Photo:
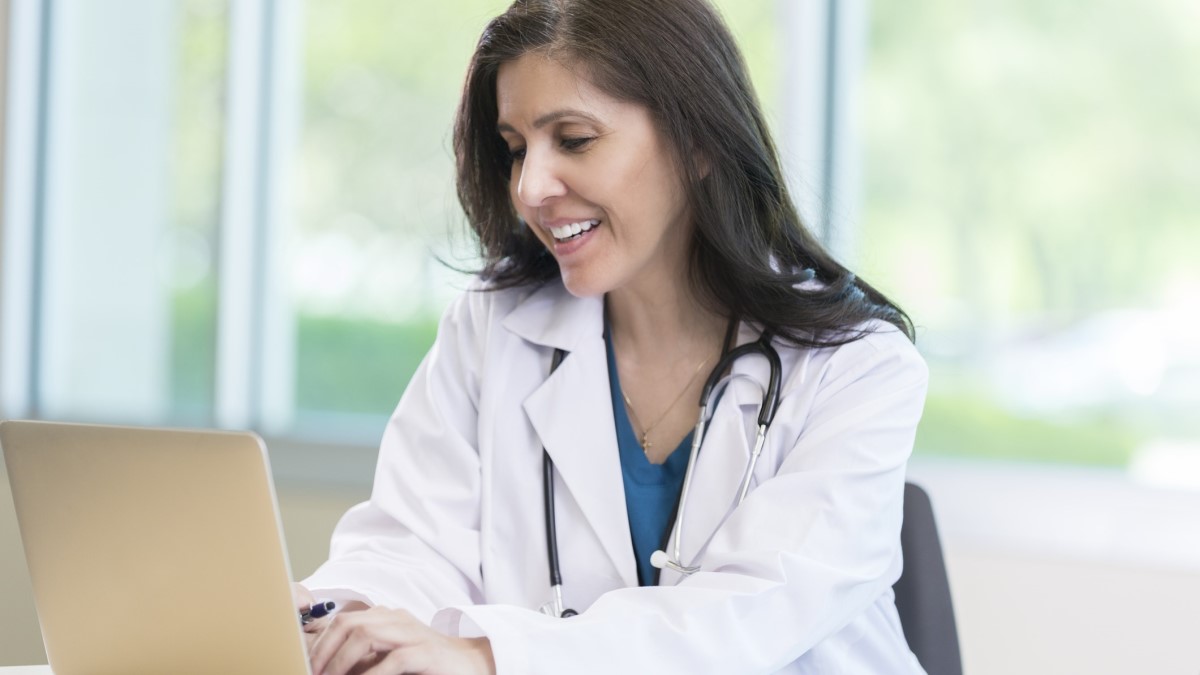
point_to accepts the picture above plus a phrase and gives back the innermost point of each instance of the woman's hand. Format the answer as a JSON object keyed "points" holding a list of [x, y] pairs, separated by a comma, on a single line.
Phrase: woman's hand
{"points": [[302, 598], [382, 641]]}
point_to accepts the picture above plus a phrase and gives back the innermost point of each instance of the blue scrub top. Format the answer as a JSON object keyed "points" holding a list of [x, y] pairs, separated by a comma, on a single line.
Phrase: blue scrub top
{"points": [[651, 490]]}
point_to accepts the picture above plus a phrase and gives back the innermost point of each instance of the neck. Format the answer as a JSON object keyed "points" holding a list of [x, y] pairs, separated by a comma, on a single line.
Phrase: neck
{"points": [[663, 320], [663, 340]]}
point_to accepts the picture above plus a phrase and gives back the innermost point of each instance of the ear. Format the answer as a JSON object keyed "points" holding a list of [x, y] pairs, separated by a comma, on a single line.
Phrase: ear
{"points": [[693, 161], [702, 163]]}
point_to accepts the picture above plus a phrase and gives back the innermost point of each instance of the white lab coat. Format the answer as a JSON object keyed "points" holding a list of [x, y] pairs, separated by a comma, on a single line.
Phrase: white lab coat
{"points": [[797, 580]]}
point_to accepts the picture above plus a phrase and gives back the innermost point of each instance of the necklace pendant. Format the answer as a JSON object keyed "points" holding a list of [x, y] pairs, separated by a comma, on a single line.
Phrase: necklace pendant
{"points": [[646, 444]]}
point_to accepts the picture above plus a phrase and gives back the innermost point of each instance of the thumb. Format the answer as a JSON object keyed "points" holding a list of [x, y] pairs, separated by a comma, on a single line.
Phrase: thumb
{"points": [[302, 597]]}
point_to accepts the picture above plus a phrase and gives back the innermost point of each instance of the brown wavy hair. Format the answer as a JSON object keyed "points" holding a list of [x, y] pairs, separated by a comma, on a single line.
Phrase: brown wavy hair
{"points": [[750, 251]]}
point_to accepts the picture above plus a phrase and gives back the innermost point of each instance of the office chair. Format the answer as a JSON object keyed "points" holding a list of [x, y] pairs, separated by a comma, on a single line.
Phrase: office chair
{"points": [[923, 590]]}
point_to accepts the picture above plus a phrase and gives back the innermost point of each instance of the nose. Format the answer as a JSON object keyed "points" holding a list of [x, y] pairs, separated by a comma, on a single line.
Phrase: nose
{"points": [[539, 180]]}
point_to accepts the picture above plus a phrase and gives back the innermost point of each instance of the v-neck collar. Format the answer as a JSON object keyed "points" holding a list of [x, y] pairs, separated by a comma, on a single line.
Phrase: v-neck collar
{"points": [[634, 461]]}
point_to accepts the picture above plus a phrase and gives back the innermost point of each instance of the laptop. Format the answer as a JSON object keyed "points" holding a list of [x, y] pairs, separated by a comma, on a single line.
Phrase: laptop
{"points": [[153, 551]]}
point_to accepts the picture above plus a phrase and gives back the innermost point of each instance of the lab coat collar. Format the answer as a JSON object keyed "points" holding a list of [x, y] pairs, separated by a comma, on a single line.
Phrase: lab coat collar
{"points": [[571, 412], [552, 317]]}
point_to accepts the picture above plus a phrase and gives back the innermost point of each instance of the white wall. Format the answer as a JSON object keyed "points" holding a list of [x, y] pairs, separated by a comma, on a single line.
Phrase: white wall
{"points": [[1068, 569], [1034, 615]]}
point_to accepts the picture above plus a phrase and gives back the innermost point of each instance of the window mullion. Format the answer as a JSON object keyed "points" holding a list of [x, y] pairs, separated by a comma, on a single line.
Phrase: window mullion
{"points": [[238, 301], [255, 338], [820, 148], [23, 118], [280, 130]]}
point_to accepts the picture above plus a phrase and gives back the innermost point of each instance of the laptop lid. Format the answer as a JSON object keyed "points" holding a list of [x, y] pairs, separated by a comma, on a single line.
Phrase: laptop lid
{"points": [[153, 550]]}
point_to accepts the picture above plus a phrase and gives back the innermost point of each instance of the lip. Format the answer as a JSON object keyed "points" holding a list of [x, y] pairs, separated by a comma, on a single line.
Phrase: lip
{"points": [[564, 249], [559, 222]]}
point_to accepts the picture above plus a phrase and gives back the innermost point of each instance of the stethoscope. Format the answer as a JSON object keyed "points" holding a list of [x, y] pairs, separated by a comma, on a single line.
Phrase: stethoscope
{"points": [[715, 382]]}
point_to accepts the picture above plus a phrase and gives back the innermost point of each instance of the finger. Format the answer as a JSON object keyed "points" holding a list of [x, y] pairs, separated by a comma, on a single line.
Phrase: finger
{"points": [[349, 639], [330, 642], [358, 648], [310, 640], [319, 625], [302, 597], [402, 660], [363, 666]]}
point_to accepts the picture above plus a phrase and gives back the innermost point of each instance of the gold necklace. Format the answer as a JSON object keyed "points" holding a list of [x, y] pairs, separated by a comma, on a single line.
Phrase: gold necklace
{"points": [[645, 441]]}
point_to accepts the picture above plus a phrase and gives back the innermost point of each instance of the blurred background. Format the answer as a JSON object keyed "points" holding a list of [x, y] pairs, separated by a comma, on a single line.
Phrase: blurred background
{"points": [[242, 215]]}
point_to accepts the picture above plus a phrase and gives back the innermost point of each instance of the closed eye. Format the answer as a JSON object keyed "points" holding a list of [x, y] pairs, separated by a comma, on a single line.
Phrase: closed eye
{"points": [[574, 144], [577, 143]]}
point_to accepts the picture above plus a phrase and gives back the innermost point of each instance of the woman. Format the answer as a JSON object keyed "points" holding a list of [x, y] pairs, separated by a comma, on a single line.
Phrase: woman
{"points": [[630, 206]]}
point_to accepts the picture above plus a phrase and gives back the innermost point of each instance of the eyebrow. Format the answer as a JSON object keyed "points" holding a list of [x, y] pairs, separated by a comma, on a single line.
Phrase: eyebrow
{"points": [[552, 117]]}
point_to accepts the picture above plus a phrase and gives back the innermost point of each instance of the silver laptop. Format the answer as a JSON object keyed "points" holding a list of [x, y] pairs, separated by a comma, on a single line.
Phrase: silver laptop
{"points": [[153, 550]]}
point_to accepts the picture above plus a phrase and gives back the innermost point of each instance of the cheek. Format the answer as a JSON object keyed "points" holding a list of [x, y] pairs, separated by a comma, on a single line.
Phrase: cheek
{"points": [[653, 191], [664, 180]]}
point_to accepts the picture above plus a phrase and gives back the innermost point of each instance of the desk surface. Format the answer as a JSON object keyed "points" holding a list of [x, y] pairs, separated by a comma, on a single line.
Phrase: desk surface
{"points": [[25, 670]]}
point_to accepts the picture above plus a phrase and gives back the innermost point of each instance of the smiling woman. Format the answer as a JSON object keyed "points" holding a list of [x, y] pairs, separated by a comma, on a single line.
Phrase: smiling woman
{"points": [[592, 180], [368, 211], [635, 228]]}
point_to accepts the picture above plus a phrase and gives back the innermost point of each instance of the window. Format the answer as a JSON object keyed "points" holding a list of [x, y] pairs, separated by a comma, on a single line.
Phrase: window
{"points": [[1031, 197], [375, 213], [112, 192], [237, 214]]}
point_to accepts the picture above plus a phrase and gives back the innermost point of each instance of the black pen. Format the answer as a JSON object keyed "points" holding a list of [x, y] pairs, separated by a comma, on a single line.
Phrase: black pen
{"points": [[316, 611]]}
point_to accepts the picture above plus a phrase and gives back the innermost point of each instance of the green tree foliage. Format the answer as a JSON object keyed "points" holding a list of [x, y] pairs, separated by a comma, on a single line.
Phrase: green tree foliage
{"points": [[1032, 157], [1030, 164]]}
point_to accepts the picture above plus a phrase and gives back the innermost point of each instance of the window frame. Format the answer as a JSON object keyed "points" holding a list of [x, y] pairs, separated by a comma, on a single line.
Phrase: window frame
{"points": [[255, 337]]}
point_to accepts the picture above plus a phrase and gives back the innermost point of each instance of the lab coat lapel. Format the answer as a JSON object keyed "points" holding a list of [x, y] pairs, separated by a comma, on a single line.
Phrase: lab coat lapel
{"points": [[571, 412]]}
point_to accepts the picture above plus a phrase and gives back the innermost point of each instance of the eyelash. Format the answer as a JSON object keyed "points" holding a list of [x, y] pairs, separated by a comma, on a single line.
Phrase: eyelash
{"points": [[577, 143], [569, 144]]}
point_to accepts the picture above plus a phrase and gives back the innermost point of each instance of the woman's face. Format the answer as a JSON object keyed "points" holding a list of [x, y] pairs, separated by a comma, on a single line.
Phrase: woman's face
{"points": [[592, 178]]}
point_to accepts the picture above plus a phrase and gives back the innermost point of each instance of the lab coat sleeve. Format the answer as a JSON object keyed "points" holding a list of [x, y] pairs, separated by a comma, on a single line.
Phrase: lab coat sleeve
{"points": [[415, 543], [810, 548]]}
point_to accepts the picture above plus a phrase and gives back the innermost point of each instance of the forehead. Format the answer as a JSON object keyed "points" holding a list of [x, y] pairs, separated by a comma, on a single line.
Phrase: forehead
{"points": [[535, 85]]}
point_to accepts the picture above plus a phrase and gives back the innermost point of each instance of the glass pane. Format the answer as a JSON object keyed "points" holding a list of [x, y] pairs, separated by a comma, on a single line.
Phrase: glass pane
{"points": [[130, 207], [376, 199], [1032, 198], [196, 174]]}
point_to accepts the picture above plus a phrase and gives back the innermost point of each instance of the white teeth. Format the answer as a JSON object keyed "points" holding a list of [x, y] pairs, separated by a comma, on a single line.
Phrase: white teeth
{"points": [[568, 231]]}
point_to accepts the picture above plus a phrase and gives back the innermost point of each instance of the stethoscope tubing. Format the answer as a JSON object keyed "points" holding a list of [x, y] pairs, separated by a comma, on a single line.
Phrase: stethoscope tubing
{"points": [[551, 523], [766, 415]]}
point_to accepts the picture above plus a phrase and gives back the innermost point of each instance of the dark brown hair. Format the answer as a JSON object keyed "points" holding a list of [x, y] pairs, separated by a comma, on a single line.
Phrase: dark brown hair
{"points": [[677, 58]]}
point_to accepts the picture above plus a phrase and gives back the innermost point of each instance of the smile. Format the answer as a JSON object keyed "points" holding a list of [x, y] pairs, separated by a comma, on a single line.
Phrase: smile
{"points": [[573, 230]]}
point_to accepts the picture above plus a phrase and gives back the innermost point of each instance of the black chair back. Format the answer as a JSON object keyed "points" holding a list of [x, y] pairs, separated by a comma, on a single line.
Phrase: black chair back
{"points": [[923, 590]]}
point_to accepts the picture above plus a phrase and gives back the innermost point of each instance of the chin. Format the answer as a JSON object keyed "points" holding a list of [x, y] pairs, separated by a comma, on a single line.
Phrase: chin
{"points": [[583, 285]]}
